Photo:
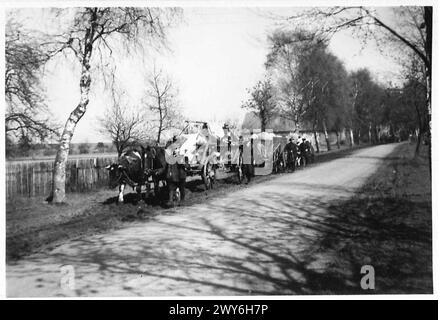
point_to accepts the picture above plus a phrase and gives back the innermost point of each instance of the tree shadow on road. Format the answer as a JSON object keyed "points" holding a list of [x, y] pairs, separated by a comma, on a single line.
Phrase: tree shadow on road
{"points": [[306, 249], [265, 244]]}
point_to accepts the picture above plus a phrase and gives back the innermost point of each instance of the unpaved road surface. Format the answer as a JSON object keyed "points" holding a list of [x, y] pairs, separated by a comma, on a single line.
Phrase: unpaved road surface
{"points": [[259, 240]]}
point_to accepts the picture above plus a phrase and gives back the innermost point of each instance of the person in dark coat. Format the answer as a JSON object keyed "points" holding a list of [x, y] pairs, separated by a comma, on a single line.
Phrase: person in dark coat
{"points": [[176, 178], [291, 150], [307, 151]]}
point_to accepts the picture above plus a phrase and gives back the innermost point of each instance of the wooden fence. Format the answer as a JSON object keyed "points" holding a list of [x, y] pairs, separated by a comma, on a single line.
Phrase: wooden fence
{"points": [[35, 178]]}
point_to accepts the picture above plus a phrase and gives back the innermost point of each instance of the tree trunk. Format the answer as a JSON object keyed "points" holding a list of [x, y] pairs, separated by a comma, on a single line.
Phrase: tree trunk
{"points": [[160, 127], [327, 141], [378, 134], [369, 134], [338, 138], [419, 131], [428, 18], [263, 125], [315, 134], [159, 134], [429, 125], [119, 152], [419, 139], [351, 138], [58, 187], [119, 148]]}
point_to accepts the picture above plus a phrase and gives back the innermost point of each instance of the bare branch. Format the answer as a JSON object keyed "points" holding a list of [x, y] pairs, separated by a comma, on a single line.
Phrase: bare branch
{"points": [[160, 97], [24, 94]]}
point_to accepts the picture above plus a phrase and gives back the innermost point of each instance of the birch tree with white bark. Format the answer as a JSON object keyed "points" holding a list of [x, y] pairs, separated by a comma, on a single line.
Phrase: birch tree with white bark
{"points": [[91, 37]]}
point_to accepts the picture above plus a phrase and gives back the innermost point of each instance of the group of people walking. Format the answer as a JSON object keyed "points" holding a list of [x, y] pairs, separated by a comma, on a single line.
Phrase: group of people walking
{"points": [[297, 154]]}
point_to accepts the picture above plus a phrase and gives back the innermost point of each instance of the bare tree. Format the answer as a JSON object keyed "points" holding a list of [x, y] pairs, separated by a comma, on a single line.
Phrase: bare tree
{"points": [[161, 99], [26, 112], [262, 102], [93, 33], [124, 125]]}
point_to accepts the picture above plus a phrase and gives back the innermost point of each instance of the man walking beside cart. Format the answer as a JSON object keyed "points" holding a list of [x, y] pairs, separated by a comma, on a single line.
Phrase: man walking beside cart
{"points": [[290, 150]]}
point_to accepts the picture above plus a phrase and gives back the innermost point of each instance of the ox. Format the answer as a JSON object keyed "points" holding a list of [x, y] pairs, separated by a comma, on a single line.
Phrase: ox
{"points": [[129, 170], [174, 174]]}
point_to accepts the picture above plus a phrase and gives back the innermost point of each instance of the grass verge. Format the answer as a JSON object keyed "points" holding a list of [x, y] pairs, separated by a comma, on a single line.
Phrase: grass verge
{"points": [[388, 225]]}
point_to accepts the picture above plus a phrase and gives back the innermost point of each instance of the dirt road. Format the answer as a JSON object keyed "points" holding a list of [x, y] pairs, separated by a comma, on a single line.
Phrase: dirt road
{"points": [[258, 240]]}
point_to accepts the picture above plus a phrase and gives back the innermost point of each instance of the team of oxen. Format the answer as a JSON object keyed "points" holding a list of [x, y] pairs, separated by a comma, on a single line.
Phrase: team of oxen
{"points": [[163, 170], [138, 166]]}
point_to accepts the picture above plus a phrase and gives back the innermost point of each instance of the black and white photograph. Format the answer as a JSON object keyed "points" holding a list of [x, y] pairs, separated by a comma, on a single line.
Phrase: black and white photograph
{"points": [[217, 149]]}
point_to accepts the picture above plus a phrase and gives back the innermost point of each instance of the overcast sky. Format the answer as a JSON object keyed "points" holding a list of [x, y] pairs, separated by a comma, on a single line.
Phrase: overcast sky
{"points": [[216, 53]]}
